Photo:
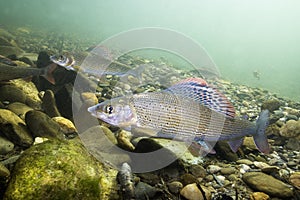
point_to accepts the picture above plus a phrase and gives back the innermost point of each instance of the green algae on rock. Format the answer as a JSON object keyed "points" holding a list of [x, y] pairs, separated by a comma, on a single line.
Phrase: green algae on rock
{"points": [[61, 170]]}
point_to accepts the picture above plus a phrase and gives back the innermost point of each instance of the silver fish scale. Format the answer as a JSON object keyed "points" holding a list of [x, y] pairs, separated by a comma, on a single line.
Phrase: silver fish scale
{"points": [[182, 117]]}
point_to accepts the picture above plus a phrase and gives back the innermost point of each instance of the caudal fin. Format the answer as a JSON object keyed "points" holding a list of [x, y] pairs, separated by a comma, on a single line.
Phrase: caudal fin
{"points": [[48, 73], [260, 138]]}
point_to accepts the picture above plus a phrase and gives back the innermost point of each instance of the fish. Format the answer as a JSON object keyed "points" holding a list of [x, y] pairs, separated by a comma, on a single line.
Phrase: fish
{"points": [[191, 111], [256, 74], [9, 72], [96, 65]]}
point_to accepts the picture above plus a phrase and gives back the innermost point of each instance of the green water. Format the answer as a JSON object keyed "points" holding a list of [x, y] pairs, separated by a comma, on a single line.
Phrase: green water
{"points": [[240, 36]]}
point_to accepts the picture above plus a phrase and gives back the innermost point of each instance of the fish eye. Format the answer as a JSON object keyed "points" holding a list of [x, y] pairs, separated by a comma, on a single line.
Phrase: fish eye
{"points": [[109, 109]]}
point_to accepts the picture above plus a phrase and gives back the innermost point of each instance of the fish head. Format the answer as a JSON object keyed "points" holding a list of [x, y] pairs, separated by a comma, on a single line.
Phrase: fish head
{"points": [[64, 60], [117, 112]]}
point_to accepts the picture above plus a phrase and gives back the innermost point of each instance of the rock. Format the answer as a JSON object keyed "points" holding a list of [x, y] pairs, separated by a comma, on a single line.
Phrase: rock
{"points": [[259, 196], [290, 129], [228, 170], [66, 126], [197, 171], [143, 191], [4, 42], [49, 104], [224, 151], [295, 180], [4, 172], [89, 98], [101, 142], [6, 146], [10, 50], [293, 144], [51, 168], [249, 143], [41, 125], [267, 184], [123, 139], [149, 178], [12, 94], [191, 192], [188, 179], [19, 109], [29, 89], [244, 161], [4, 33], [213, 169], [172, 151], [14, 128], [175, 187], [271, 105]]}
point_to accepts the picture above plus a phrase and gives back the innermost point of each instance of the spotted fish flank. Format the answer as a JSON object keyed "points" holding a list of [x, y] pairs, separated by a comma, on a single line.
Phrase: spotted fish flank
{"points": [[190, 111]]}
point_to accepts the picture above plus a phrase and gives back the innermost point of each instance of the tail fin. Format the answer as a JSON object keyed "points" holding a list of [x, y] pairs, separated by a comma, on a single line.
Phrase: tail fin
{"points": [[48, 72], [260, 138]]}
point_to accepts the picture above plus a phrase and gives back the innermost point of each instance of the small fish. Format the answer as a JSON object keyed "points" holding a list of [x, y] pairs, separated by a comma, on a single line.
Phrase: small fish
{"points": [[14, 72], [189, 110], [95, 65], [66, 61], [256, 74]]}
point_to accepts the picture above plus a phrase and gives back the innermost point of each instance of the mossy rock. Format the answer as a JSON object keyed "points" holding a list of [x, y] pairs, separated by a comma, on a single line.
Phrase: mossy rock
{"points": [[61, 170]]}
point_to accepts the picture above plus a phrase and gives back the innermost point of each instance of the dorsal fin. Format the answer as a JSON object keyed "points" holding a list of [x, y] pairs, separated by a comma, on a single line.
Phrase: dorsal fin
{"points": [[198, 90]]}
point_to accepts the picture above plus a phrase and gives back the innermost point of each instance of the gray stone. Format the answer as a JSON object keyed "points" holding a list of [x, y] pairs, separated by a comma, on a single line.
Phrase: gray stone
{"points": [[14, 128], [228, 170], [144, 191], [6, 146], [19, 109], [267, 184], [41, 125], [175, 187], [12, 94]]}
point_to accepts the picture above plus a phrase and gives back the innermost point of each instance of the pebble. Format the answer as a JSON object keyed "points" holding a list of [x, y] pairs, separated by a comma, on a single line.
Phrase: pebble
{"points": [[260, 165], [244, 168], [144, 191], [213, 169], [267, 184], [259, 196], [295, 180], [66, 126], [244, 161], [6, 146], [175, 187], [228, 170], [197, 171], [191, 192], [188, 179], [124, 140]]}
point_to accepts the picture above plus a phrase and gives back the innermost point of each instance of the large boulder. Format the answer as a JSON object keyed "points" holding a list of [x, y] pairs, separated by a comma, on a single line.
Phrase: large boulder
{"points": [[61, 170]]}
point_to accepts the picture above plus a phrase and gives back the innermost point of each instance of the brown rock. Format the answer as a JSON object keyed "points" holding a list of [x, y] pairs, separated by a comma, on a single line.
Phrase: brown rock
{"points": [[191, 192], [268, 184], [259, 196], [295, 180], [290, 129]]}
